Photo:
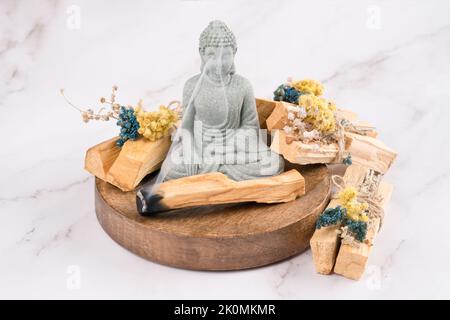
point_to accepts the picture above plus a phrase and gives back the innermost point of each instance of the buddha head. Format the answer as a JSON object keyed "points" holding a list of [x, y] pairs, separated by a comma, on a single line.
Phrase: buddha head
{"points": [[217, 49]]}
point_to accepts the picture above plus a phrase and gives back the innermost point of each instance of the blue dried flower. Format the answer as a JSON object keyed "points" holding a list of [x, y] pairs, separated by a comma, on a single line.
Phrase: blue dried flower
{"points": [[330, 217], [286, 93], [347, 160], [357, 228], [278, 94], [291, 95], [129, 125]]}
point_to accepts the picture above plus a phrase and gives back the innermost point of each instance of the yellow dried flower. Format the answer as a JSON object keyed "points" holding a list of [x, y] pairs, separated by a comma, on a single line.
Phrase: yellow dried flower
{"points": [[319, 113], [355, 210], [308, 86], [347, 195], [154, 125]]}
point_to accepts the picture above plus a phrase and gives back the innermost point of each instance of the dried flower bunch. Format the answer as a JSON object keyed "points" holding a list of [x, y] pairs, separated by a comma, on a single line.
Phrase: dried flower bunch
{"points": [[101, 114], [293, 89], [356, 210], [155, 125], [311, 117], [351, 214], [133, 121]]}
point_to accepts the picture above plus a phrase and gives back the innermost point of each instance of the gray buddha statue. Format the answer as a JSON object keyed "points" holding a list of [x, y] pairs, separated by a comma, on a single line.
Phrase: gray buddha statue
{"points": [[220, 129]]}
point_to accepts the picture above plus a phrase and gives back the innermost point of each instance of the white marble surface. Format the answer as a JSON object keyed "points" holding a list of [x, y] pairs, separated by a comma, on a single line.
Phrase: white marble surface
{"points": [[387, 60]]}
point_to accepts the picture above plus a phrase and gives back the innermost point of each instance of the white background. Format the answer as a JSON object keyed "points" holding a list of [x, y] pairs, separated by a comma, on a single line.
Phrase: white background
{"points": [[387, 60]]}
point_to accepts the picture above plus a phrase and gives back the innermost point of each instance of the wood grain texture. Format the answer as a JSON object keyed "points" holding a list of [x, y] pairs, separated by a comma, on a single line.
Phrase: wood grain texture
{"points": [[302, 153], [223, 237], [264, 108], [278, 118], [351, 261], [325, 242], [216, 188], [137, 159], [101, 157], [370, 152], [125, 167], [365, 150]]}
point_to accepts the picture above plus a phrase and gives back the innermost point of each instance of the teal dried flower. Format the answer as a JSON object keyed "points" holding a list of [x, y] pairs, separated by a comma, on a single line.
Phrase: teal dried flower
{"points": [[357, 228], [291, 95], [128, 124], [347, 160], [286, 93], [278, 94], [330, 217]]}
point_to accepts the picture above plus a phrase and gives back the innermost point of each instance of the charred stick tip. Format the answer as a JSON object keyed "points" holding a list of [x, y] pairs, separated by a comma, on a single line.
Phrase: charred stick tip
{"points": [[148, 203]]}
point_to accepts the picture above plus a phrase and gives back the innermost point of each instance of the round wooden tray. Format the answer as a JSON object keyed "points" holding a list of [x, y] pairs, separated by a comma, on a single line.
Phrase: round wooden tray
{"points": [[222, 237]]}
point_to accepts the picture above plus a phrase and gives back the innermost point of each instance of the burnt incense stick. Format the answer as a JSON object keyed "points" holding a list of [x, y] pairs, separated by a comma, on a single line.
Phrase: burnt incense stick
{"points": [[216, 188]]}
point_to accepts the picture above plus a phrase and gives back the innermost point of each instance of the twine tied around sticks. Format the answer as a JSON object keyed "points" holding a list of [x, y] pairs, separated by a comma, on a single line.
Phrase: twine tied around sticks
{"points": [[346, 125], [358, 129], [342, 125]]}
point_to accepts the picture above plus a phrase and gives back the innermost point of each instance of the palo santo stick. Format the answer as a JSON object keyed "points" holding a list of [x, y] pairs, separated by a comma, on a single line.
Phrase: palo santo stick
{"points": [[125, 167], [278, 117], [304, 153], [217, 188], [101, 157], [325, 241], [370, 152], [364, 150], [137, 159], [352, 261], [264, 108], [353, 118]]}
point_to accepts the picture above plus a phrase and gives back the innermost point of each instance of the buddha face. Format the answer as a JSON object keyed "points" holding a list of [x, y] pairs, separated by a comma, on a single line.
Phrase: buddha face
{"points": [[218, 61]]}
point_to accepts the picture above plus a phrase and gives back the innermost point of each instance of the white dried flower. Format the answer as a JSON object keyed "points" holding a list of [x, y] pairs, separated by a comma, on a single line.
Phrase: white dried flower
{"points": [[287, 129], [302, 112], [291, 116], [310, 135], [298, 123]]}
